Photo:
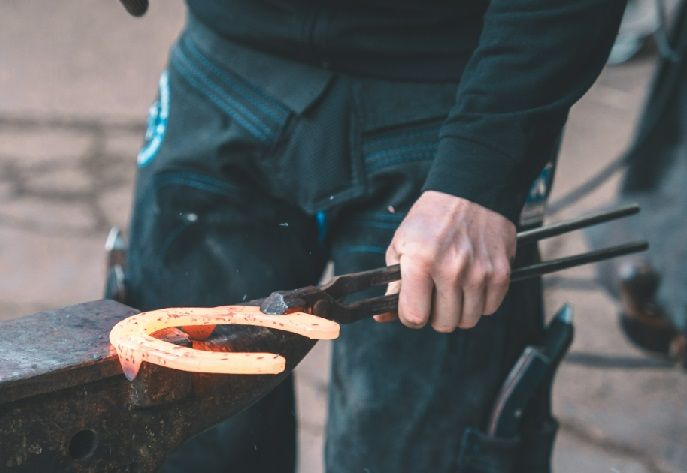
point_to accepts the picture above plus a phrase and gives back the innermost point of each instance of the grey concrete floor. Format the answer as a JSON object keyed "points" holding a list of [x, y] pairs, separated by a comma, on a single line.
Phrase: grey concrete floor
{"points": [[76, 79]]}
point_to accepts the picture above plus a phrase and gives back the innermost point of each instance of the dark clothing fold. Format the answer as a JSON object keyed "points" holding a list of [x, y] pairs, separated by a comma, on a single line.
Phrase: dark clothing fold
{"points": [[521, 66]]}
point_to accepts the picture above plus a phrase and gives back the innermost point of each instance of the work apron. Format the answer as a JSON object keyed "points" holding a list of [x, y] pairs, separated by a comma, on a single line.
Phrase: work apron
{"points": [[254, 173]]}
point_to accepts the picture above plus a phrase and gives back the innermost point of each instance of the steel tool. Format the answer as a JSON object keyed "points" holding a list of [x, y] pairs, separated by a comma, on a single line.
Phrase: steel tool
{"points": [[535, 368], [328, 301], [500, 446]]}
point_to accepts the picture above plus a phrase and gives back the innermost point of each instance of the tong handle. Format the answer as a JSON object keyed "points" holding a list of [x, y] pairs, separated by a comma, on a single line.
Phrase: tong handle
{"points": [[558, 264], [363, 309], [565, 226], [347, 284], [351, 283], [389, 303]]}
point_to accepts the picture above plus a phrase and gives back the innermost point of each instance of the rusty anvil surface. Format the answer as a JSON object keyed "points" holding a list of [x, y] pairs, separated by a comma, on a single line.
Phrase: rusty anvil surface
{"points": [[65, 405]]}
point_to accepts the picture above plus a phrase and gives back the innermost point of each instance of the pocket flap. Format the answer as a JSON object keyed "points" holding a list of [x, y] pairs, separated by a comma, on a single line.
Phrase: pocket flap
{"points": [[294, 84]]}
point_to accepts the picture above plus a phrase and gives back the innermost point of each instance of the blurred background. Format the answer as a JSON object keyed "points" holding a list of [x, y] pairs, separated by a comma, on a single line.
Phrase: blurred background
{"points": [[76, 80]]}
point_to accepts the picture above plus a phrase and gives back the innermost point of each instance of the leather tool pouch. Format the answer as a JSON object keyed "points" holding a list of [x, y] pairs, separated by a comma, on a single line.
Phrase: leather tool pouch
{"points": [[536, 448]]}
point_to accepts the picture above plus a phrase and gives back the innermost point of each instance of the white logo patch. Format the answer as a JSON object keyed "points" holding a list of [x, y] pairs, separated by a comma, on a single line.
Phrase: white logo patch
{"points": [[157, 124]]}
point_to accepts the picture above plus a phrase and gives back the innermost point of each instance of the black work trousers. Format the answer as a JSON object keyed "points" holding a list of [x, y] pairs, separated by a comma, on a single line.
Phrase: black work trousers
{"points": [[241, 192]]}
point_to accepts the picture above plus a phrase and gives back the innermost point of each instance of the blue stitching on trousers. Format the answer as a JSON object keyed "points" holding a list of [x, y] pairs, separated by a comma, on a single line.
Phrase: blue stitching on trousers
{"points": [[239, 112], [222, 99], [196, 182], [248, 92]]}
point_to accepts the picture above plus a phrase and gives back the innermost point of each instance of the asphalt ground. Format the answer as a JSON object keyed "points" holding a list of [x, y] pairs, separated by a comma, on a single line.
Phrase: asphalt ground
{"points": [[76, 79]]}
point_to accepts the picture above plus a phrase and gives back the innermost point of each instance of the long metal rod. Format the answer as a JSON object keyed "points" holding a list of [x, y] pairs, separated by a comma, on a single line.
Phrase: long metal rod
{"points": [[565, 226], [349, 283], [551, 266], [389, 303]]}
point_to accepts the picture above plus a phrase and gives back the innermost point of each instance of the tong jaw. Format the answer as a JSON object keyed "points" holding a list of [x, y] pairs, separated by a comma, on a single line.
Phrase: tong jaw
{"points": [[315, 301], [326, 301], [298, 300]]}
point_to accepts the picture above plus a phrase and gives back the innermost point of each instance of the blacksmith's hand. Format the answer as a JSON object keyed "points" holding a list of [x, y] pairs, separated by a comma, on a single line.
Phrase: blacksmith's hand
{"points": [[455, 262]]}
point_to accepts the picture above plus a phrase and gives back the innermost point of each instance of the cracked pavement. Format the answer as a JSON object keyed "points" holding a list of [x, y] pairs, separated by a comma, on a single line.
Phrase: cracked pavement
{"points": [[75, 91]]}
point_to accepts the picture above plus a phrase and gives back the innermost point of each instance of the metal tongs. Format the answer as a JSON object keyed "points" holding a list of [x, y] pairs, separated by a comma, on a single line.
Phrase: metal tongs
{"points": [[327, 301]]}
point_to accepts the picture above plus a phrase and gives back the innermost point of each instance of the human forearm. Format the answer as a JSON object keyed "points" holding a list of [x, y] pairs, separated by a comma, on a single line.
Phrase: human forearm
{"points": [[535, 59]]}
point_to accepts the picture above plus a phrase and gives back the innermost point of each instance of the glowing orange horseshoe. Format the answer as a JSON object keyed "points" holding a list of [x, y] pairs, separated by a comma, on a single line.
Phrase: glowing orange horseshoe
{"points": [[133, 343]]}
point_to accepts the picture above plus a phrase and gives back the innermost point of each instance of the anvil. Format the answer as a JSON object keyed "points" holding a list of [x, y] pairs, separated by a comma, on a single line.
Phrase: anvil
{"points": [[66, 406]]}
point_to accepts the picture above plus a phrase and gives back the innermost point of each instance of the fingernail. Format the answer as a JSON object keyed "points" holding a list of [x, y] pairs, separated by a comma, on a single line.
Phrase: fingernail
{"points": [[414, 323], [444, 329]]}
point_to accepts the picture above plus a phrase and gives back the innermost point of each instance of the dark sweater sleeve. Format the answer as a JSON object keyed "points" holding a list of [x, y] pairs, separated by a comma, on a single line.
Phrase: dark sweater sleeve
{"points": [[534, 60]]}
